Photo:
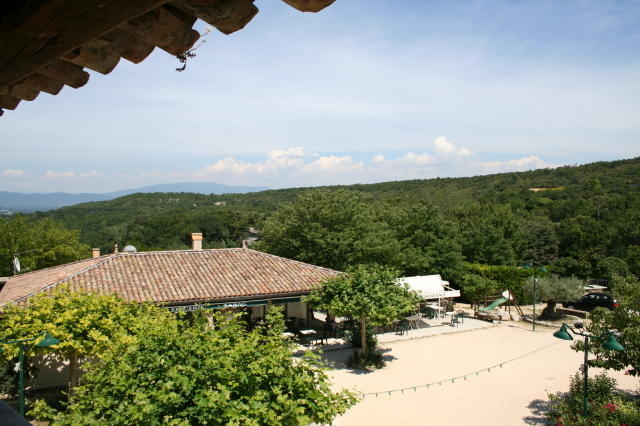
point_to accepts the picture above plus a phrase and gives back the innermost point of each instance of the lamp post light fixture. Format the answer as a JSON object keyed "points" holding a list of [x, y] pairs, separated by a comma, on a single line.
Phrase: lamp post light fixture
{"points": [[48, 340], [611, 344], [535, 282]]}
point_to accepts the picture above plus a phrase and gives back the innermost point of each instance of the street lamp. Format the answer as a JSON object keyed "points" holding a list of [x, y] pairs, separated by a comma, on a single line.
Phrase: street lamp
{"points": [[535, 282], [611, 344], [48, 340]]}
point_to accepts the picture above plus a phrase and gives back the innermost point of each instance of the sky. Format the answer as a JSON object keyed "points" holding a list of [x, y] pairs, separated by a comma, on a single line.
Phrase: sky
{"points": [[363, 91]]}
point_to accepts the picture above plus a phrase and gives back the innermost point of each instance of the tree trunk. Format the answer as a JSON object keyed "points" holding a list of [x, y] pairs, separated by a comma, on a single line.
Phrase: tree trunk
{"points": [[73, 371], [549, 312], [363, 333]]}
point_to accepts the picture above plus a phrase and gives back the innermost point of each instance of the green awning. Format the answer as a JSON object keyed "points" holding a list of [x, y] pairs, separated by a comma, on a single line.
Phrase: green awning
{"points": [[237, 304]]}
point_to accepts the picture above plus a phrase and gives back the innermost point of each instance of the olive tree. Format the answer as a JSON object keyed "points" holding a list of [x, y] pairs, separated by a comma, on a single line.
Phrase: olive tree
{"points": [[553, 289]]}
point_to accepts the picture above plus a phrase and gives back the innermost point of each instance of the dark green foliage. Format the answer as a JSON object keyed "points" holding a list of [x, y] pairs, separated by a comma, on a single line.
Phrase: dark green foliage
{"points": [[607, 406], [480, 282], [334, 229], [38, 244]]}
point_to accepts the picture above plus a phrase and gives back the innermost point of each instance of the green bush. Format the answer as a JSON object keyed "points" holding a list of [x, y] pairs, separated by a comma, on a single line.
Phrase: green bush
{"points": [[606, 405]]}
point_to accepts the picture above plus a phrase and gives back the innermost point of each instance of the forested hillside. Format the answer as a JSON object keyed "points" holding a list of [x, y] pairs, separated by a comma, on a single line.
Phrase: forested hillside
{"points": [[583, 220]]}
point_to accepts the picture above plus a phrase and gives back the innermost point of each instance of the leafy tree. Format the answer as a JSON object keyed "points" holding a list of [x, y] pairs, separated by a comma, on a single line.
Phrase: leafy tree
{"points": [[626, 320], [553, 289], [497, 278], [611, 266], [178, 373], [633, 260], [541, 242], [476, 287], [369, 293], [334, 229], [85, 323], [42, 243], [430, 242], [490, 235]]}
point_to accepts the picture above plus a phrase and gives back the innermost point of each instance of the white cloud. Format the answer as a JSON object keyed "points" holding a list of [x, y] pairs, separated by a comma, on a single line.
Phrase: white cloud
{"points": [[445, 147], [50, 174], [231, 165], [518, 164], [333, 164], [14, 174]]}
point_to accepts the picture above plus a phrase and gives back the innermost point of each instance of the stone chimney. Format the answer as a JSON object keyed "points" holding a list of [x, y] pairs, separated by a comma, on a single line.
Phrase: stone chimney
{"points": [[115, 248], [95, 252], [244, 244], [196, 237]]}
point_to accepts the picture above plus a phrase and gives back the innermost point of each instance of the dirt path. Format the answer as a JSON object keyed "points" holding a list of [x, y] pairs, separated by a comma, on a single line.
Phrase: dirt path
{"points": [[514, 394]]}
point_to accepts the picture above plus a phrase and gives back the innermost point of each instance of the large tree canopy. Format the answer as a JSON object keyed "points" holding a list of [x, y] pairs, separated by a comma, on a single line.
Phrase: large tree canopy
{"points": [[334, 229], [37, 244], [85, 323], [186, 372]]}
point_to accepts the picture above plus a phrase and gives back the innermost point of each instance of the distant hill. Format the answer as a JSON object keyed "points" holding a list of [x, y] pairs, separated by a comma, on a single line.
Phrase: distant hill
{"points": [[26, 203]]}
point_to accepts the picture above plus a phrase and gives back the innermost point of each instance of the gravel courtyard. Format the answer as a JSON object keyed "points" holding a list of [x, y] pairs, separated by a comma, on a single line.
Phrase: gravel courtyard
{"points": [[511, 395]]}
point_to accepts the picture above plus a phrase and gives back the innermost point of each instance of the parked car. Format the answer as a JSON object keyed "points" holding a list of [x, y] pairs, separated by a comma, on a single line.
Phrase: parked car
{"points": [[589, 302]]}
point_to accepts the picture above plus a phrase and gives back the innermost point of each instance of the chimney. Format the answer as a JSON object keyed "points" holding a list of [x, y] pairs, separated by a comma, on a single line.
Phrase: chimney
{"points": [[95, 252], [244, 244], [196, 237], [115, 248]]}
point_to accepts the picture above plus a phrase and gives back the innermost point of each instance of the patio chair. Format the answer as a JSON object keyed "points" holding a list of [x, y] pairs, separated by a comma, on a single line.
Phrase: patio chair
{"points": [[403, 327]]}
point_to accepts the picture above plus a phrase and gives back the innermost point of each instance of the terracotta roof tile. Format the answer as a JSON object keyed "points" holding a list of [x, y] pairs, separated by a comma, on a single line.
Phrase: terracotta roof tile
{"points": [[175, 276]]}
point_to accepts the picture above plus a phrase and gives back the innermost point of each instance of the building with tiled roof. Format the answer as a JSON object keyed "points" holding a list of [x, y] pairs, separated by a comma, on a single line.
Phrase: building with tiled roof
{"points": [[180, 279]]}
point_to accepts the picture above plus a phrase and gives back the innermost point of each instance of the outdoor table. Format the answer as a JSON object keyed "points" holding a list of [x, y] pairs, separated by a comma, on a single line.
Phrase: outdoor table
{"points": [[306, 335], [413, 321], [439, 309]]}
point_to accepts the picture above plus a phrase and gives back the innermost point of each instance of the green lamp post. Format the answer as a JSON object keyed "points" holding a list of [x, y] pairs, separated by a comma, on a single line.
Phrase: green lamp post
{"points": [[48, 340], [535, 269], [611, 344]]}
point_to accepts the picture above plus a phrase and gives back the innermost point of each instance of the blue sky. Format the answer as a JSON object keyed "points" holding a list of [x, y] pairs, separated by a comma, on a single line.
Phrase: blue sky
{"points": [[363, 91]]}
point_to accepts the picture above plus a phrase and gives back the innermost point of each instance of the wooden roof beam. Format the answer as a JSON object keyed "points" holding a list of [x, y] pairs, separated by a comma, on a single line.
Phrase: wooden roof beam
{"points": [[95, 55], [227, 16], [309, 5], [160, 27], [8, 102], [130, 47], [71, 74]]}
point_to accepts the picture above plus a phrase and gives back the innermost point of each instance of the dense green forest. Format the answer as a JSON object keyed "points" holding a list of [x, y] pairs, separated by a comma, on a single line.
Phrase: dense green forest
{"points": [[582, 220]]}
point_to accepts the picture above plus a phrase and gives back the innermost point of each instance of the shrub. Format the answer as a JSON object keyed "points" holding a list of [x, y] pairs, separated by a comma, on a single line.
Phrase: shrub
{"points": [[606, 405]]}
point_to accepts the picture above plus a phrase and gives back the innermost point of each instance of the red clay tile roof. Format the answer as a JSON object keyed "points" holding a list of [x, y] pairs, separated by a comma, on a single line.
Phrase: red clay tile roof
{"points": [[175, 277]]}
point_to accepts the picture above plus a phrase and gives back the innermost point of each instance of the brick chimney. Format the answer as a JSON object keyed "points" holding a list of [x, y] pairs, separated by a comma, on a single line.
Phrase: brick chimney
{"points": [[196, 237], [95, 252]]}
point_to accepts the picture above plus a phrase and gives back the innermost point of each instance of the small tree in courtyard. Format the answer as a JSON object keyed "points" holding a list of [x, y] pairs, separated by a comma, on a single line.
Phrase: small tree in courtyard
{"points": [[368, 293], [553, 289]]}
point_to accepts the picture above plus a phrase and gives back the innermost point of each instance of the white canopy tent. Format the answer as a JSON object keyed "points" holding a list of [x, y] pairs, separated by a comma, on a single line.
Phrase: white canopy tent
{"points": [[430, 286]]}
